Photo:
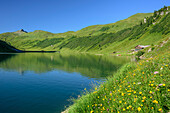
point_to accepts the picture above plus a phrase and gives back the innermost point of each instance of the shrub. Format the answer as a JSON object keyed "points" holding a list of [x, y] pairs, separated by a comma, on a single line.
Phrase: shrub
{"points": [[140, 53]]}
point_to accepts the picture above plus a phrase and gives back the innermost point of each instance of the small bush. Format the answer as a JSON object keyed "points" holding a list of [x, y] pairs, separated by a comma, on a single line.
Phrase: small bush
{"points": [[140, 53]]}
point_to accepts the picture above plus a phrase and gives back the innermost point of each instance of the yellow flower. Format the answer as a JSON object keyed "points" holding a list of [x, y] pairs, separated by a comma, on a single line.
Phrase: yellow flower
{"points": [[141, 104], [98, 97], [100, 104], [130, 106], [168, 90], [84, 88], [151, 84], [88, 106], [150, 92], [129, 93], [95, 104], [127, 108], [91, 111], [163, 84], [125, 103], [143, 73], [151, 107], [123, 94], [155, 101], [120, 101], [124, 109], [95, 92], [143, 100], [134, 92], [140, 92], [110, 94], [139, 108], [134, 83], [160, 109], [144, 97], [95, 88]]}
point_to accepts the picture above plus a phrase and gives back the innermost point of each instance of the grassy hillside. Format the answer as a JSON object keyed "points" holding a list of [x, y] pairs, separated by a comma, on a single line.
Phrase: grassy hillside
{"points": [[42, 40], [137, 87], [113, 27], [4, 47], [155, 29], [119, 37]]}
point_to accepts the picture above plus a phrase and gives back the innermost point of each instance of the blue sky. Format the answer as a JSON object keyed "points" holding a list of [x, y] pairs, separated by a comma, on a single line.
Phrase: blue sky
{"points": [[59, 16]]}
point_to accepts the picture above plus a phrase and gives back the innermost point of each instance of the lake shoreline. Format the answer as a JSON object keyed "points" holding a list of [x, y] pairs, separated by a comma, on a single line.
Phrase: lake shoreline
{"points": [[136, 87]]}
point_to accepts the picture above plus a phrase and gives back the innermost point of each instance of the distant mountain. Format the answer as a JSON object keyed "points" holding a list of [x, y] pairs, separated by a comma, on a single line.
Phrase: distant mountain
{"points": [[21, 31], [124, 35]]}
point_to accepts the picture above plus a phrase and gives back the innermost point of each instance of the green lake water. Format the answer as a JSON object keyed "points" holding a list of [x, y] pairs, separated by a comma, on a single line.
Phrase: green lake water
{"points": [[46, 82]]}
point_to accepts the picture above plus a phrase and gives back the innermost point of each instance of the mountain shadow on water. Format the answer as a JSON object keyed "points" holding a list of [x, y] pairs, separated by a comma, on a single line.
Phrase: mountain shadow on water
{"points": [[4, 57]]}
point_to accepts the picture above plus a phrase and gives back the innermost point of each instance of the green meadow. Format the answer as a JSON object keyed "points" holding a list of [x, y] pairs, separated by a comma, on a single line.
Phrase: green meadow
{"points": [[137, 87], [141, 86]]}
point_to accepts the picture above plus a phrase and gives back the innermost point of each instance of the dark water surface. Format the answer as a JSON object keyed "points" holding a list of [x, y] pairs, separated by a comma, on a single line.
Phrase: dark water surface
{"points": [[44, 82]]}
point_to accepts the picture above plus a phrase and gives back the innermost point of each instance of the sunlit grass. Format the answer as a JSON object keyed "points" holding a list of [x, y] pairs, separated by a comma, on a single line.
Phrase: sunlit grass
{"points": [[141, 87]]}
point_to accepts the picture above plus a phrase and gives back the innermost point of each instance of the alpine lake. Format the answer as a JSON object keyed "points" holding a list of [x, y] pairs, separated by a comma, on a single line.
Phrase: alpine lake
{"points": [[47, 82]]}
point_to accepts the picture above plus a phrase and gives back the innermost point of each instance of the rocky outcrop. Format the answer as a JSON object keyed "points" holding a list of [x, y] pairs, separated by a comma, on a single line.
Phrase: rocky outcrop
{"points": [[21, 31]]}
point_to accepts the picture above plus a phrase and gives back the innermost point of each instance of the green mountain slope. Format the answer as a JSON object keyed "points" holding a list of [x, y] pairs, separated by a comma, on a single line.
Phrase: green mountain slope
{"points": [[4, 47], [116, 37], [113, 27], [41, 39]]}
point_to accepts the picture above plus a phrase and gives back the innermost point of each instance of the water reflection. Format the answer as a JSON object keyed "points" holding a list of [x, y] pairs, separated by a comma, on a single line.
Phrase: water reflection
{"points": [[92, 66], [49, 80]]}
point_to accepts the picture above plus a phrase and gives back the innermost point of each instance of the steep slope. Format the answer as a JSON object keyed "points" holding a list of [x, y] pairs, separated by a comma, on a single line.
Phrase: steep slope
{"points": [[138, 87], [142, 86], [113, 27], [150, 32], [139, 29], [4, 47], [42, 40]]}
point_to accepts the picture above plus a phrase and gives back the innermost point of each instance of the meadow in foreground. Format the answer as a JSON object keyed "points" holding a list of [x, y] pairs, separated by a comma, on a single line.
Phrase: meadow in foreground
{"points": [[141, 87]]}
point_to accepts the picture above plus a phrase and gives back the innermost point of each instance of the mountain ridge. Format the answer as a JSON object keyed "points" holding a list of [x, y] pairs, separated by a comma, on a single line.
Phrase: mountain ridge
{"points": [[97, 38]]}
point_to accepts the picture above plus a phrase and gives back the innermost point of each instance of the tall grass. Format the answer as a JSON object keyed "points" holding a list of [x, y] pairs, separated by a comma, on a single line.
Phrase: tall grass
{"points": [[141, 87]]}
